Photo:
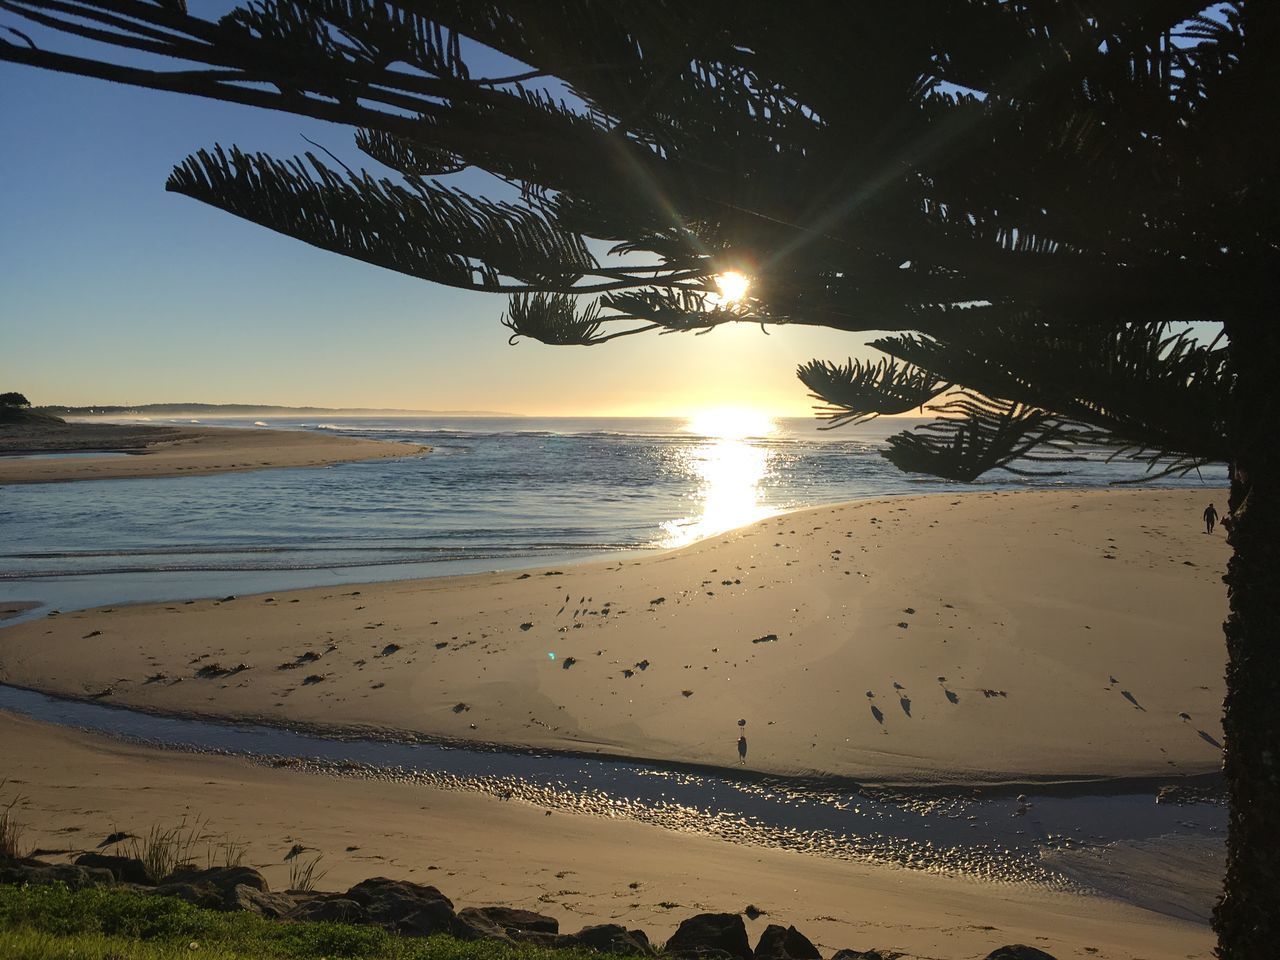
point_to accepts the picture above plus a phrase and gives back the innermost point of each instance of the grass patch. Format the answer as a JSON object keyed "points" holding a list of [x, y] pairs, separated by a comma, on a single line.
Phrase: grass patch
{"points": [[10, 830], [305, 876], [99, 923], [165, 849]]}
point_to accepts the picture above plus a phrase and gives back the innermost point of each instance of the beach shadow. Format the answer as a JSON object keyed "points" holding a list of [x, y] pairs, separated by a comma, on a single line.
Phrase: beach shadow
{"points": [[742, 749], [1129, 696], [905, 703], [1209, 739], [876, 712], [951, 695]]}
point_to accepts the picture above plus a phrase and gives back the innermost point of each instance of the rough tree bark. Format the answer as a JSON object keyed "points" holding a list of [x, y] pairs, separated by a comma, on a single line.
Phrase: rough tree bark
{"points": [[1247, 916]]}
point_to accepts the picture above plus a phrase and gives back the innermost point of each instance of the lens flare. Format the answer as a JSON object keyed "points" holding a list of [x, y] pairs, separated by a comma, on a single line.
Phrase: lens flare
{"points": [[732, 286]]}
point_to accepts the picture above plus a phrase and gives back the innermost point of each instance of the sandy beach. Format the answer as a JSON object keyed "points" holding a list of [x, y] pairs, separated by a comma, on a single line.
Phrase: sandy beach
{"points": [[78, 787], [985, 638], [171, 451]]}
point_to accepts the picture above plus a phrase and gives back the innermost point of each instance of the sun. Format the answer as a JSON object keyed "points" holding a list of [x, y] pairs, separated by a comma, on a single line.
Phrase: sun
{"points": [[732, 286], [731, 423]]}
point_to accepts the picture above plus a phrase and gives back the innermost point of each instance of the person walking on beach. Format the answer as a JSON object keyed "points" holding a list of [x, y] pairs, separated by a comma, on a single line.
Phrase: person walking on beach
{"points": [[1210, 518]]}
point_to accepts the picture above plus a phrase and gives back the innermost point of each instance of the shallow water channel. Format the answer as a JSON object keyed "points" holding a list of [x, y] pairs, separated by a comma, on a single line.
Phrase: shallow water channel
{"points": [[1090, 836]]}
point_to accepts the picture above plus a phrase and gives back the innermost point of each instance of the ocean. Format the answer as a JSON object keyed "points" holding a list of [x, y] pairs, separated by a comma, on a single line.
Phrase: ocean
{"points": [[494, 493]]}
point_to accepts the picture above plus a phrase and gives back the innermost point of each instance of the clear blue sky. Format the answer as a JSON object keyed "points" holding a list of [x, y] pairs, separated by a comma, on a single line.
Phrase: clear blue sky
{"points": [[114, 291]]}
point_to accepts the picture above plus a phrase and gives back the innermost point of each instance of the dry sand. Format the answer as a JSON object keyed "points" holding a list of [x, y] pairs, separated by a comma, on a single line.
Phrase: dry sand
{"points": [[78, 788], [1004, 637], [159, 452]]}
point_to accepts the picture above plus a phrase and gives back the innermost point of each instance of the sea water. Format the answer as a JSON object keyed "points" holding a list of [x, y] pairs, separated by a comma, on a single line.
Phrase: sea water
{"points": [[493, 493]]}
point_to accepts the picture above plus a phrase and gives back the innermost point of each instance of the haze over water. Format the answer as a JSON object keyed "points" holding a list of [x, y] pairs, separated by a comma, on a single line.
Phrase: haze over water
{"points": [[494, 493]]}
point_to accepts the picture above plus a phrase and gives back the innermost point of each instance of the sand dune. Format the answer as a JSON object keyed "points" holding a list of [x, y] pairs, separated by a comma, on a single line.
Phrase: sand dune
{"points": [[1003, 637], [196, 451]]}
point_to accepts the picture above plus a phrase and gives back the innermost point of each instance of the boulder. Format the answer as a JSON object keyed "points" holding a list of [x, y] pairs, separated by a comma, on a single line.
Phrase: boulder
{"points": [[785, 943], [1018, 951], [273, 906], [614, 938], [215, 888], [711, 935], [411, 908], [124, 869], [198, 894], [223, 879], [36, 872], [329, 908], [513, 923], [380, 888]]}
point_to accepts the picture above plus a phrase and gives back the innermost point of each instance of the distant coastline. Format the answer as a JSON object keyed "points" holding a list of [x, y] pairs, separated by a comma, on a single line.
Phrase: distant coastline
{"points": [[248, 409], [44, 449]]}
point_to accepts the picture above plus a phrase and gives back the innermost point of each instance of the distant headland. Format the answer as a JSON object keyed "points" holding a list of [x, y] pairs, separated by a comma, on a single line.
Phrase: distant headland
{"points": [[248, 409]]}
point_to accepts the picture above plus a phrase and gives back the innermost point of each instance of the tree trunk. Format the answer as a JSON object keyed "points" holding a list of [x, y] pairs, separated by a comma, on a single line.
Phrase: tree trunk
{"points": [[1247, 916]]}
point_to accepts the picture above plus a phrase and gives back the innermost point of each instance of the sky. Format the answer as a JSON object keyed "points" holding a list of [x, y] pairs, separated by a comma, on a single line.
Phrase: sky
{"points": [[113, 291]]}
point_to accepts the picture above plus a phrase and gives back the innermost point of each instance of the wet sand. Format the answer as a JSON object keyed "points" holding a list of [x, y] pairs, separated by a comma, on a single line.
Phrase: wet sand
{"points": [[77, 788], [171, 451], [983, 638], [16, 608]]}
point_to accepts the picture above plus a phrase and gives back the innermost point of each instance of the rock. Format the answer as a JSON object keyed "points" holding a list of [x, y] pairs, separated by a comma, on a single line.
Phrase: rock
{"points": [[411, 908], [215, 888], [197, 894], [333, 909], [222, 879], [37, 872], [273, 906], [124, 869], [785, 943], [512, 922], [380, 888], [1018, 951], [711, 934], [614, 938]]}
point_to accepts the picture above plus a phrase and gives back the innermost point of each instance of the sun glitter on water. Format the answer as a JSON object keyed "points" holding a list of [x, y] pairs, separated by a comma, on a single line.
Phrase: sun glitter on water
{"points": [[731, 423], [729, 465]]}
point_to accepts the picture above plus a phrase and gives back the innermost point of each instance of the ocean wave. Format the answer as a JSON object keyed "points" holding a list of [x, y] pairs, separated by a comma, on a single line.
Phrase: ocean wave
{"points": [[536, 546]]}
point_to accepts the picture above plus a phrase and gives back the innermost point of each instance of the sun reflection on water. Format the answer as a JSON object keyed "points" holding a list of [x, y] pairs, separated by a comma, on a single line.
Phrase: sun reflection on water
{"points": [[729, 466]]}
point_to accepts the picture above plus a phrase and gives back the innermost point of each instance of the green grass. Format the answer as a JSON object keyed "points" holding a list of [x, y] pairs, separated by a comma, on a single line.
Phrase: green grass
{"points": [[51, 922]]}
